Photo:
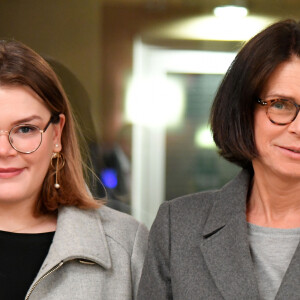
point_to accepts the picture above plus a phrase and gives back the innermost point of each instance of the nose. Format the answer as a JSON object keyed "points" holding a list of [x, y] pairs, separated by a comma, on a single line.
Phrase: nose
{"points": [[294, 127], [5, 147]]}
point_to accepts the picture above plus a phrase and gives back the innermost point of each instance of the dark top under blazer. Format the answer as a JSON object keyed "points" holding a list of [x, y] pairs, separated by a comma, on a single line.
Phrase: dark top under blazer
{"points": [[199, 249]]}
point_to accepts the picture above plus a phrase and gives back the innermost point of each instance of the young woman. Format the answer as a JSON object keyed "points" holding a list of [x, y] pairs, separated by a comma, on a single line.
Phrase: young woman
{"points": [[242, 241], [56, 241]]}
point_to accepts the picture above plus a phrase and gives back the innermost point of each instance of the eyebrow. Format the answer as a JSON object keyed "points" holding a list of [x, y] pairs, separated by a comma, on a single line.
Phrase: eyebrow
{"points": [[27, 119], [280, 96]]}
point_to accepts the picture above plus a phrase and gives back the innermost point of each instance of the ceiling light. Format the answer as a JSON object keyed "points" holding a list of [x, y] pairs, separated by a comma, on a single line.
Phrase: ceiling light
{"points": [[230, 11]]}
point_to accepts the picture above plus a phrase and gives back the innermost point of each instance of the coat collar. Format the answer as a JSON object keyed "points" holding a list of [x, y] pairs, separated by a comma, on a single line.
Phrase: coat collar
{"points": [[225, 244], [226, 250], [231, 201], [79, 235]]}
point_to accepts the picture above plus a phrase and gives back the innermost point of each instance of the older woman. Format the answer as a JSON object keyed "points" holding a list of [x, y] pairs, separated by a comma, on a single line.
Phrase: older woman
{"points": [[241, 242], [56, 241]]}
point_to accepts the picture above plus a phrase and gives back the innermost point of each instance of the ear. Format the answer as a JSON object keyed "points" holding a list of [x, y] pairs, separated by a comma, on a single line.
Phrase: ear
{"points": [[57, 132]]}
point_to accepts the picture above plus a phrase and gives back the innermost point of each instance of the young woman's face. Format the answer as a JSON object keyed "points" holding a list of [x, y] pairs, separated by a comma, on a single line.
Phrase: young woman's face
{"points": [[22, 175], [279, 146]]}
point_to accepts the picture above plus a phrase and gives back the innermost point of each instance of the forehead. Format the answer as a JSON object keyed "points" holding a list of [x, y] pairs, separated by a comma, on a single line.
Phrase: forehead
{"points": [[20, 102], [284, 80]]}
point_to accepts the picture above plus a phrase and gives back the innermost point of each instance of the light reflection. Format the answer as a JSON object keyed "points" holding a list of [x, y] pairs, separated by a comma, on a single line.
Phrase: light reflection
{"points": [[154, 102], [230, 11], [212, 28], [204, 138]]}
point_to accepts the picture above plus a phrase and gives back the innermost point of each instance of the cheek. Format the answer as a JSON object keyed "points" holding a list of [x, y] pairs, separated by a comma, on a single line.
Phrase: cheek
{"points": [[263, 131], [40, 159], [259, 121], [266, 133]]}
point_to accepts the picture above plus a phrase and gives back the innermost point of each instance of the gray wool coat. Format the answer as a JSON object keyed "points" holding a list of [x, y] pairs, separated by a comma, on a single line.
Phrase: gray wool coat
{"points": [[95, 254], [199, 249]]}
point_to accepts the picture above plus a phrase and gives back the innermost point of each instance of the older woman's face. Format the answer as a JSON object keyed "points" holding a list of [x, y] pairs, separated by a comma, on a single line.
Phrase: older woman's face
{"points": [[279, 146], [22, 175]]}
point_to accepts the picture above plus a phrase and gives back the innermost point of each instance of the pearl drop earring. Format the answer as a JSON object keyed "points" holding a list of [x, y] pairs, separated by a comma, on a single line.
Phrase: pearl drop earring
{"points": [[57, 162]]}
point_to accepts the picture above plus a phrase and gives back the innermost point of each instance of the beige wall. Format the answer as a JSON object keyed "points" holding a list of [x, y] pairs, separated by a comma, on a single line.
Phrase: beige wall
{"points": [[66, 30]]}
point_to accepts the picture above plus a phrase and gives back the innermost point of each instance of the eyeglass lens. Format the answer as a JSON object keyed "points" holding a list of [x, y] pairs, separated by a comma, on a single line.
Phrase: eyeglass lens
{"points": [[25, 138], [282, 111]]}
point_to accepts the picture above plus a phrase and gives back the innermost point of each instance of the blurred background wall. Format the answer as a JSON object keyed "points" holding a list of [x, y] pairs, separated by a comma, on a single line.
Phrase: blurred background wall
{"points": [[141, 76], [67, 32]]}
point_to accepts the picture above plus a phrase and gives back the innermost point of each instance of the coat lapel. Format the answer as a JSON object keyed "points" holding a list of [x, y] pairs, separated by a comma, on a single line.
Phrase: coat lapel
{"points": [[290, 285], [225, 244], [79, 235]]}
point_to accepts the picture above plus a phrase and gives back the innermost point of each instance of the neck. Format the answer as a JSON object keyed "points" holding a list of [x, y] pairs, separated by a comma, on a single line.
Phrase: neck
{"points": [[20, 218], [274, 201]]}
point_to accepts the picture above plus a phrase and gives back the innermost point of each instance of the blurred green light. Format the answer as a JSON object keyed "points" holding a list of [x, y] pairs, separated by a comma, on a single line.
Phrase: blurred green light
{"points": [[204, 138]]}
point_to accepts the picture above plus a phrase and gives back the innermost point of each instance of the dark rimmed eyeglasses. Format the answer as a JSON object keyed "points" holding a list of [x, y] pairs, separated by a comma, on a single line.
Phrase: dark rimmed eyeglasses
{"points": [[280, 111], [27, 138]]}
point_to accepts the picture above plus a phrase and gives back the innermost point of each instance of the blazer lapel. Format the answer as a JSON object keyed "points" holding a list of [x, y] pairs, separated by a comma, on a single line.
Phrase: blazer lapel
{"points": [[290, 285], [225, 244]]}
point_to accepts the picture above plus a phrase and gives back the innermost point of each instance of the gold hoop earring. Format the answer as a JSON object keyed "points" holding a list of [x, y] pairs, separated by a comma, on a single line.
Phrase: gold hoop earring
{"points": [[57, 162]]}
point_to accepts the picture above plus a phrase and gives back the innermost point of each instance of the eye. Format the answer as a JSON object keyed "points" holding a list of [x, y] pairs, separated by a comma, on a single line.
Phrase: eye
{"points": [[278, 105], [283, 104], [25, 130]]}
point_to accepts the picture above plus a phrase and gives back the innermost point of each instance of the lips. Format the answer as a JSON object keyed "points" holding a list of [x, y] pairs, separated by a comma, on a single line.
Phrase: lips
{"points": [[291, 152], [293, 149], [10, 172]]}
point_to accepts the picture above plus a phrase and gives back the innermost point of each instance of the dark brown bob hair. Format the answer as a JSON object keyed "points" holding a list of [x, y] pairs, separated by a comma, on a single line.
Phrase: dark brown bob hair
{"points": [[232, 114], [21, 66]]}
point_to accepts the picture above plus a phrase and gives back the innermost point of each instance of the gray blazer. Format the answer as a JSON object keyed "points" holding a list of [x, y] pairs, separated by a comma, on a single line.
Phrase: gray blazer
{"points": [[95, 254], [199, 249]]}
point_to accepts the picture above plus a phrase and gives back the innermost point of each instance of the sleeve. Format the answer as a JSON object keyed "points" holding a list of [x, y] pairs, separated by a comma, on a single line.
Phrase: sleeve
{"points": [[155, 282], [138, 256]]}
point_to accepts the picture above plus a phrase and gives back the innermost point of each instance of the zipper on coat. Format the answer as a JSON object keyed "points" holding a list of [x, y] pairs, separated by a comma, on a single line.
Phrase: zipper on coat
{"points": [[43, 277]]}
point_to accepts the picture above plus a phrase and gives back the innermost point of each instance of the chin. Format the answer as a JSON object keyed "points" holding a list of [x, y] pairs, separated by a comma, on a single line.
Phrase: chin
{"points": [[11, 195], [9, 199], [289, 171], [276, 167]]}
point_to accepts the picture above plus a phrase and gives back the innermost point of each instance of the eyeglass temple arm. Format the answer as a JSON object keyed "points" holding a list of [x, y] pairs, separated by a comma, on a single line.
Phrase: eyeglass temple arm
{"points": [[53, 119]]}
